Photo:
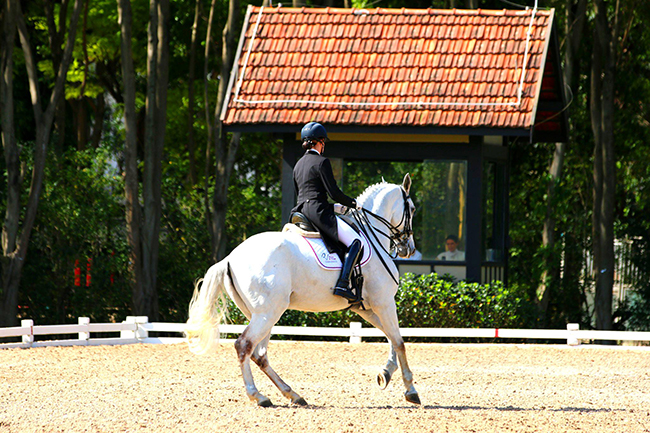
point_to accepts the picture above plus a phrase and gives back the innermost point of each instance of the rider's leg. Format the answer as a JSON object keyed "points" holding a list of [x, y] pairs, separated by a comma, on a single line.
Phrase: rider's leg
{"points": [[351, 240], [347, 235]]}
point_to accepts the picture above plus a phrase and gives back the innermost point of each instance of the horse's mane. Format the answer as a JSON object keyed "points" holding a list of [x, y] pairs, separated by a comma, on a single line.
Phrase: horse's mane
{"points": [[372, 191]]}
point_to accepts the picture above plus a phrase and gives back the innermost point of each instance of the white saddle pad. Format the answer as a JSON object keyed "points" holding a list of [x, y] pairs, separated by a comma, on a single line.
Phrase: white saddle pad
{"points": [[325, 259]]}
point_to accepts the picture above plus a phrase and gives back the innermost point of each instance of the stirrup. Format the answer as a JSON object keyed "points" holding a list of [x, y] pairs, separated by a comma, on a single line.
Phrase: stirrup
{"points": [[345, 293]]}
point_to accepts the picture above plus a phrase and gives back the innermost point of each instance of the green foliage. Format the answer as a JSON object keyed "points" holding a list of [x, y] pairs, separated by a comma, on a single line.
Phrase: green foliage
{"points": [[432, 301], [255, 191], [436, 301], [184, 248], [80, 223]]}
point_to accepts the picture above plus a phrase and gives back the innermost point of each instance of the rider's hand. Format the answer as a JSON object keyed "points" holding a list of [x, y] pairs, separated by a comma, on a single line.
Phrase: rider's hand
{"points": [[340, 209]]}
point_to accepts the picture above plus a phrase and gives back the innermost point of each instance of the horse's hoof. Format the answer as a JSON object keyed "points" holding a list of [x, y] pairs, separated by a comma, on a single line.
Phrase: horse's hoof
{"points": [[412, 397], [300, 402], [383, 379], [264, 402]]}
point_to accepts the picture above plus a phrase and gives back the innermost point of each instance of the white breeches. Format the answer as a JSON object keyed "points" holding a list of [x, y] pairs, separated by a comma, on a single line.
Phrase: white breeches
{"points": [[347, 235]]}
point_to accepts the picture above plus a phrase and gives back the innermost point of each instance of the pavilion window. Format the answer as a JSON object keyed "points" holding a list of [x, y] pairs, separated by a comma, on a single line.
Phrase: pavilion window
{"points": [[439, 192]]}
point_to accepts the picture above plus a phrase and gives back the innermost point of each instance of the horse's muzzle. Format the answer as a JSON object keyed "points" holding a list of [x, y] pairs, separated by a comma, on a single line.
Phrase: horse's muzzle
{"points": [[405, 251]]}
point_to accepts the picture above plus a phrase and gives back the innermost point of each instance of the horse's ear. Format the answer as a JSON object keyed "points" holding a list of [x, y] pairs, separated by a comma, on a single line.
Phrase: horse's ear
{"points": [[406, 184]]}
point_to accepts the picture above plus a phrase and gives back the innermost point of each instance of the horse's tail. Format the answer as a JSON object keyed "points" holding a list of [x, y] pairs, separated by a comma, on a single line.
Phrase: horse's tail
{"points": [[208, 307]]}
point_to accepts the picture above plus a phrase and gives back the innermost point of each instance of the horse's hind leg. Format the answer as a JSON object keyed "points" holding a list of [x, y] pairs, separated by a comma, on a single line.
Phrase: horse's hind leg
{"points": [[259, 327], [260, 357], [383, 378]]}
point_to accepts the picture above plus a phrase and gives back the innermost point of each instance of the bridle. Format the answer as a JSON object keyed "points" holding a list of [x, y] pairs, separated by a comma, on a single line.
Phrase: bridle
{"points": [[398, 238]]}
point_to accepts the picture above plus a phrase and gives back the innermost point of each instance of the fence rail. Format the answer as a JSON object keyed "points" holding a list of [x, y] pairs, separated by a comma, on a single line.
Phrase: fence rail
{"points": [[137, 329]]}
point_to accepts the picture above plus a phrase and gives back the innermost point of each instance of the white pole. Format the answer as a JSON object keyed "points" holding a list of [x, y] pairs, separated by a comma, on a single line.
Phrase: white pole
{"points": [[571, 340], [28, 339], [140, 332], [355, 332], [84, 335], [128, 334]]}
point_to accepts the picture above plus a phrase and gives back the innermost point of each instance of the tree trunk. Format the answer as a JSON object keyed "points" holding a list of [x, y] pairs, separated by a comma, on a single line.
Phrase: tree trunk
{"points": [[550, 275], [602, 119], [225, 152], [191, 143], [208, 119], [145, 297], [225, 162], [99, 109], [455, 200], [576, 14], [15, 239], [12, 162], [80, 116], [133, 212], [54, 40]]}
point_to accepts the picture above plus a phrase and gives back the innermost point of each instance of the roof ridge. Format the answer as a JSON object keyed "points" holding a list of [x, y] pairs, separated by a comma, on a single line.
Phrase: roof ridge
{"points": [[398, 11]]}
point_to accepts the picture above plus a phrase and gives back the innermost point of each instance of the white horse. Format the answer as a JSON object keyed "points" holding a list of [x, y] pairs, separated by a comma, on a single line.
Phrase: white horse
{"points": [[275, 271]]}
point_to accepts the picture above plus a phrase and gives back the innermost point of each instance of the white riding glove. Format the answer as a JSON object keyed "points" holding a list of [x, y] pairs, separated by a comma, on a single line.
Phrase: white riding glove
{"points": [[340, 209]]}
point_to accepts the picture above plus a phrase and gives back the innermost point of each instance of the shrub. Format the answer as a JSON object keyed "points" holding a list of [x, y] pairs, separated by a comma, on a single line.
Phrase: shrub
{"points": [[432, 301]]}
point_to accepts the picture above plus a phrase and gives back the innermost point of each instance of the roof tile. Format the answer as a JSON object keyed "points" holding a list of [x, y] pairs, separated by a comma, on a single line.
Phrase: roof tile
{"points": [[396, 67]]}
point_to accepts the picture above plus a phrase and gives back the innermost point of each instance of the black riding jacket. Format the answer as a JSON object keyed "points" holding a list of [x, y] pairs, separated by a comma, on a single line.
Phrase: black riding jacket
{"points": [[314, 182]]}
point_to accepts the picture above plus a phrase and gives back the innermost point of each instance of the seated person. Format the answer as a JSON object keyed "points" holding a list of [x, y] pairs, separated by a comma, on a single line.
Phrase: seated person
{"points": [[452, 252]]}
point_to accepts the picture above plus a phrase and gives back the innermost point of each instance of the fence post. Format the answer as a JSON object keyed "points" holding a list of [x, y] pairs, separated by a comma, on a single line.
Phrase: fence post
{"points": [[355, 332], [140, 332], [571, 340], [127, 334], [84, 335], [28, 339]]}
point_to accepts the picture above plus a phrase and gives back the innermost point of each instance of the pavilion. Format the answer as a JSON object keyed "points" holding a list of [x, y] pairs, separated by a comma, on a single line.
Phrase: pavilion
{"points": [[441, 91]]}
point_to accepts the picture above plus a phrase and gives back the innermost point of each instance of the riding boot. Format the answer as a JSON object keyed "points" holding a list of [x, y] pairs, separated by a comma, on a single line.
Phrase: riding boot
{"points": [[342, 287]]}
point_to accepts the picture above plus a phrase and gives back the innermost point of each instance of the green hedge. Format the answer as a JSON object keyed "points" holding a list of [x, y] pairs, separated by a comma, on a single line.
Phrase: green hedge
{"points": [[433, 301]]}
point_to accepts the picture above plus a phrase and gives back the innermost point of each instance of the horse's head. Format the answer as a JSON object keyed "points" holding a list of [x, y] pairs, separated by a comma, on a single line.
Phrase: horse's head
{"points": [[392, 206], [402, 220]]}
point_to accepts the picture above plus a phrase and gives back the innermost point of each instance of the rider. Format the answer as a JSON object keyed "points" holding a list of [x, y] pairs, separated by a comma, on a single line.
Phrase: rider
{"points": [[314, 181]]}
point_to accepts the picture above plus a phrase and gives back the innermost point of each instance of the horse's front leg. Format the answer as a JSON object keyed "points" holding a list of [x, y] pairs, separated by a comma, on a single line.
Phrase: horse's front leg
{"points": [[387, 315], [383, 378]]}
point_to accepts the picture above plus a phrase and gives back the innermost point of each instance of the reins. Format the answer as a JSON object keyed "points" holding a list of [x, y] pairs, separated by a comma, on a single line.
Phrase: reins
{"points": [[395, 234]]}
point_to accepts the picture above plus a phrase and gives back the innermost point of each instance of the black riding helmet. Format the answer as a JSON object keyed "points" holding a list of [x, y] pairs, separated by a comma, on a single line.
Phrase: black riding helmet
{"points": [[312, 132]]}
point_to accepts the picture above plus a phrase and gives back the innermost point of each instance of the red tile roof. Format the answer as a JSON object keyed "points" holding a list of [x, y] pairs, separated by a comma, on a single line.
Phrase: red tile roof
{"points": [[392, 67]]}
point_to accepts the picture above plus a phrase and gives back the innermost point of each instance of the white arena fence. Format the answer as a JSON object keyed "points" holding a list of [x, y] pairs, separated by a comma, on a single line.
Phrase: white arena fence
{"points": [[137, 329]]}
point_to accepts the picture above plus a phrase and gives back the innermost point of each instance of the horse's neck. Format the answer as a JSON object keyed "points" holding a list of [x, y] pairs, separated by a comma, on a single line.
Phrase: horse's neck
{"points": [[379, 202]]}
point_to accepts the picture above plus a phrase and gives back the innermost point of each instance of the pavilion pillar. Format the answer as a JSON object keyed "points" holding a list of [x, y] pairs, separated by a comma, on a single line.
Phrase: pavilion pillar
{"points": [[474, 212], [289, 154]]}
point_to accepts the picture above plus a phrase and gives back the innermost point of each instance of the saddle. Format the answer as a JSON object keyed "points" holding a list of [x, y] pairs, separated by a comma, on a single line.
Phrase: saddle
{"points": [[356, 278], [302, 221]]}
